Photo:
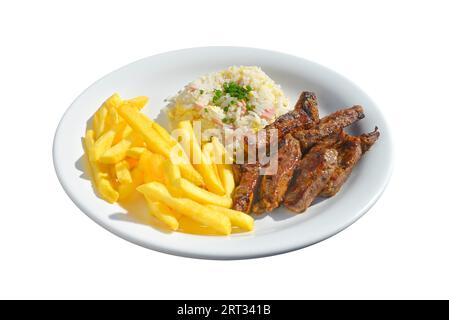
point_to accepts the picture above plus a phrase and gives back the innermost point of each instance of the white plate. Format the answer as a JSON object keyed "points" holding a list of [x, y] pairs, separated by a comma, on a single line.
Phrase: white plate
{"points": [[163, 75]]}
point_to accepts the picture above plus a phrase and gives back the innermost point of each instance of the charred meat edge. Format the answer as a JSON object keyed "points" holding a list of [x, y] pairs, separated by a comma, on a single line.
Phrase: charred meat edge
{"points": [[328, 125], [314, 172], [244, 193], [350, 150], [273, 187]]}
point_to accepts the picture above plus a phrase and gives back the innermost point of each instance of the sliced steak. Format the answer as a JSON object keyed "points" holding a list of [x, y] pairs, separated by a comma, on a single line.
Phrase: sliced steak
{"points": [[304, 115], [244, 193], [368, 139], [237, 172], [273, 187], [308, 103], [314, 172], [327, 126], [350, 150]]}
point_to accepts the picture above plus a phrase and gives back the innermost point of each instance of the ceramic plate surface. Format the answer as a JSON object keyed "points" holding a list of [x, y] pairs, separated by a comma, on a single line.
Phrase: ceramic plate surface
{"points": [[161, 76]]}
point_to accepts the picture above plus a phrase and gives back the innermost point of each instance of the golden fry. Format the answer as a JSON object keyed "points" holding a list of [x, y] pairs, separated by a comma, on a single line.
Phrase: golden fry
{"points": [[224, 168], [116, 153], [138, 102], [151, 166], [122, 172], [143, 125], [203, 165], [202, 214], [100, 177], [102, 144], [238, 218], [135, 152], [163, 214], [189, 190]]}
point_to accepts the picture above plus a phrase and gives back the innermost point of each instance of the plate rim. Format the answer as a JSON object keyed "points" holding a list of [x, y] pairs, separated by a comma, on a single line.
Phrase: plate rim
{"points": [[211, 255]]}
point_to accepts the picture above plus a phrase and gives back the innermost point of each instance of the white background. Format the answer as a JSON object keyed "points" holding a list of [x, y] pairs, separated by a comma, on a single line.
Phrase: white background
{"points": [[396, 51]]}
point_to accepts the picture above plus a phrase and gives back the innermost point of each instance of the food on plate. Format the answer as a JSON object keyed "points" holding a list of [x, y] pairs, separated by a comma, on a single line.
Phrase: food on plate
{"points": [[314, 171], [245, 191], [273, 187], [164, 214], [131, 152], [238, 97], [328, 157], [200, 159], [350, 150], [193, 180], [155, 191]]}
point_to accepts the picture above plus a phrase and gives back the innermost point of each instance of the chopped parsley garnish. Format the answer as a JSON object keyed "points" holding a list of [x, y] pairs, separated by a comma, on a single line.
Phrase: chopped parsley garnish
{"points": [[250, 107], [232, 102], [228, 120], [201, 91], [237, 91], [206, 110], [226, 109], [217, 96]]}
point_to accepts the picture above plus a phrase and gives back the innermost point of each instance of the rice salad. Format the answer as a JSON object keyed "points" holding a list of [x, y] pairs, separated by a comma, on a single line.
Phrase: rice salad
{"points": [[239, 97]]}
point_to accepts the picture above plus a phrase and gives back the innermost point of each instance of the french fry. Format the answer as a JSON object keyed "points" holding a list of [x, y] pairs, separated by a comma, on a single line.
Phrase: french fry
{"points": [[163, 214], [125, 191], [172, 175], [132, 162], [151, 166], [105, 114], [227, 178], [100, 177], [136, 139], [143, 125], [138, 102], [158, 192], [209, 155], [237, 218], [122, 131], [189, 190], [155, 143], [113, 101], [206, 170], [99, 121], [135, 152], [107, 191], [122, 172], [112, 118], [224, 167], [164, 134], [116, 153], [191, 174], [102, 144]]}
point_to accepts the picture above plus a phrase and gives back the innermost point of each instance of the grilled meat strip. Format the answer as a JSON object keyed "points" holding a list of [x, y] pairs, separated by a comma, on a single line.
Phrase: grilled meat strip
{"points": [[368, 139], [273, 187], [244, 193], [350, 150], [237, 172], [328, 125], [308, 103], [314, 172], [304, 115]]}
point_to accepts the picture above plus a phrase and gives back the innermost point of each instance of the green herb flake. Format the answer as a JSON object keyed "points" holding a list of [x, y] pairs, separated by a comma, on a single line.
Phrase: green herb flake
{"points": [[250, 107], [226, 109], [201, 91], [237, 91], [228, 120], [217, 95]]}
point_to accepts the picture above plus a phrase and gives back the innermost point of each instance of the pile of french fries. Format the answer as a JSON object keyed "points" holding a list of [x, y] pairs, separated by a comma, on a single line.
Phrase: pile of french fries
{"points": [[127, 151]]}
